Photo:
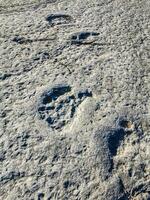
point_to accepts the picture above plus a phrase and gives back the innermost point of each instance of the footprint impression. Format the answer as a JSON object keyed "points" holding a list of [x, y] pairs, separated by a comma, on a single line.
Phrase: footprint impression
{"points": [[80, 38], [107, 142], [57, 106], [58, 19]]}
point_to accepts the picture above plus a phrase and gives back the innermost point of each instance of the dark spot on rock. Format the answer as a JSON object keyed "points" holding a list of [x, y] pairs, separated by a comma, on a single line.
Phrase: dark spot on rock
{"points": [[40, 196], [124, 123], [79, 152], [47, 99], [21, 40], [130, 172], [59, 125], [4, 76], [23, 139], [59, 107], [140, 188], [53, 174], [49, 120], [66, 184], [123, 197], [13, 175], [85, 93], [85, 35], [69, 99], [41, 56], [2, 114], [55, 157], [49, 108], [42, 116], [74, 37], [42, 108], [58, 91], [2, 156], [43, 158], [45, 55], [35, 186], [18, 39], [73, 109]]}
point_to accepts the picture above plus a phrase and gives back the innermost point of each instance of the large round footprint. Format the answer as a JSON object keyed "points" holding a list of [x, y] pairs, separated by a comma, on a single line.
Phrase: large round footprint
{"points": [[58, 105]]}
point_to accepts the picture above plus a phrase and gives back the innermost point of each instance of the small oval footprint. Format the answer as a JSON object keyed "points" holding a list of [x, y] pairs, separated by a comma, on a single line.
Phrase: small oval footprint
{"points": [[58, 19], [80, 38]]}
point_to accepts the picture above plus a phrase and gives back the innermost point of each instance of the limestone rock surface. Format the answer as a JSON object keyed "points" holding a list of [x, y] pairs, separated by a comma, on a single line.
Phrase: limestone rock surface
{"points": [[75, 100]]}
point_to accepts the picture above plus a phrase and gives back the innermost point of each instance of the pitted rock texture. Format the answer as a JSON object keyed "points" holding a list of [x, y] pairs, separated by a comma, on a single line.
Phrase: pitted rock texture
{"points": [[74, 100]]}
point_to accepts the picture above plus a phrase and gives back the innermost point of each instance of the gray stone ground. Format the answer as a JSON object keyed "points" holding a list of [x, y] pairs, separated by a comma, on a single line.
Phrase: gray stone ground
{"points": [[75, 99]]}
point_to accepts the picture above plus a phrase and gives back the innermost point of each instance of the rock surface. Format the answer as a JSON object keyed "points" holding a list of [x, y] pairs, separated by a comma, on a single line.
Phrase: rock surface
{"points": [[75, 82]]}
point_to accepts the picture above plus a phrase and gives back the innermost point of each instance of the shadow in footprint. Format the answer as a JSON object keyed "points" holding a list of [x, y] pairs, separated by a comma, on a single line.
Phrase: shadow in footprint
{"points": [[85, 93], [114, 139], [54, 93]]}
